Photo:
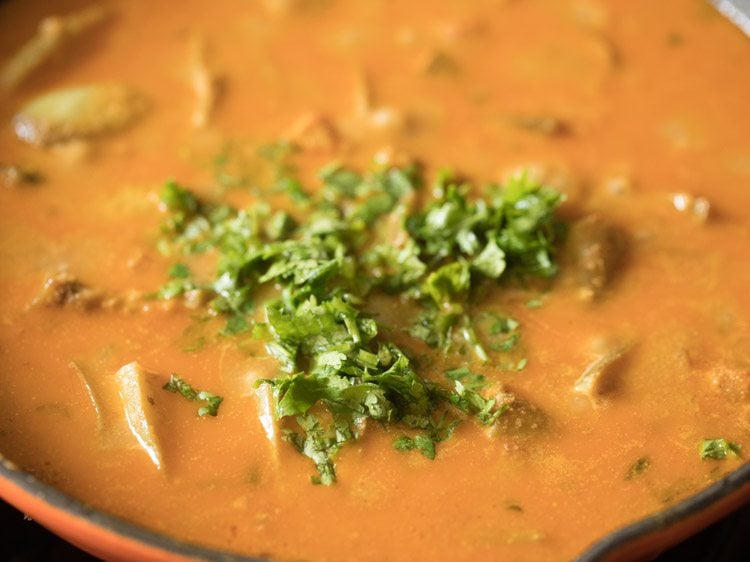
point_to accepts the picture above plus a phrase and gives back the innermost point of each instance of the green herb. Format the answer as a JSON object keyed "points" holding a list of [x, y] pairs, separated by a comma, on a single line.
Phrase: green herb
{"points": [[279, 225], [718, 449], [179, 271], [293, 189], [517, 222], [462, 240], [179, 386], [421, 443], [504, 331], [394, 269], [178, 199], [340, 182], [638, 467], [179, 282], [319, 445], [336, 369], [236, 324], [467, 397], [426, 443]]}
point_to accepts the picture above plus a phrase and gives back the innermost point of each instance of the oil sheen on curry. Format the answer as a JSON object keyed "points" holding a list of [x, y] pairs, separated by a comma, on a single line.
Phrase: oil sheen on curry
{"points": [[325, 280]]}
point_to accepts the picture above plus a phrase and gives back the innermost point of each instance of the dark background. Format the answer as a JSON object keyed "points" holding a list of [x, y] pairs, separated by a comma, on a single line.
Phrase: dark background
{"points": [[22, 540]]}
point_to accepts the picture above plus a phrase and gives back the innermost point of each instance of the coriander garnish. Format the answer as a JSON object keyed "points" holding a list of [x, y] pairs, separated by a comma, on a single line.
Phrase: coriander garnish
{"points": [[179, 386], [719, 449], [326, 259]]}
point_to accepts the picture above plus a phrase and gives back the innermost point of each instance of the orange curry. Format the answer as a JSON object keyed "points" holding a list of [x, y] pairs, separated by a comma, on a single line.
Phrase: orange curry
{"points": [[627, 384]]}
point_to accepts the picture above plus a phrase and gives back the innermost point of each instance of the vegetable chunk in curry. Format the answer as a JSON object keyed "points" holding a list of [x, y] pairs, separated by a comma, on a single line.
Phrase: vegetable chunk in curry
{"points": [[327, 280]]}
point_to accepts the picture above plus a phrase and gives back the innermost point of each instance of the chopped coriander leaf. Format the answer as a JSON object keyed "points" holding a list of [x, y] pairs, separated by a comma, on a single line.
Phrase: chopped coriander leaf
{"points": [[371, 195], [319, 445], [339, 181], [503, 331], [178, 199], [333, 362], [179, 386], [279, 225], [293, 189], [179, 283], [531, 227], [506, 344], [459, 239], [519, 221], [502, 324], [425, 445], [236, 324], [403, 443], [459, 373], [719, 449], [174, 288], [467, 398], [448, 284], [470, 336], [179, 271], [491, 261], [394, 269]]}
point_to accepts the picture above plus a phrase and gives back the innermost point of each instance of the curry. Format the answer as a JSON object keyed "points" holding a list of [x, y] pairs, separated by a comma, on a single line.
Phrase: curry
{"points": [[325, 280]]}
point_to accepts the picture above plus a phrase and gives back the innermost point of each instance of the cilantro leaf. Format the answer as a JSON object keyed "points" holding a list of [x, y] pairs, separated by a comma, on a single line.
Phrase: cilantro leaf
{"points": [[394, 269], [179, 282], [320, 445], [421, 443], [467, 397], [491, 261], [179, 386], [719, 449]]}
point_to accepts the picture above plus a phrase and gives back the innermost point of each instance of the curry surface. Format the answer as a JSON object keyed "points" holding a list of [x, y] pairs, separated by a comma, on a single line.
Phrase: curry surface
{"points": [[654, 99]]}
